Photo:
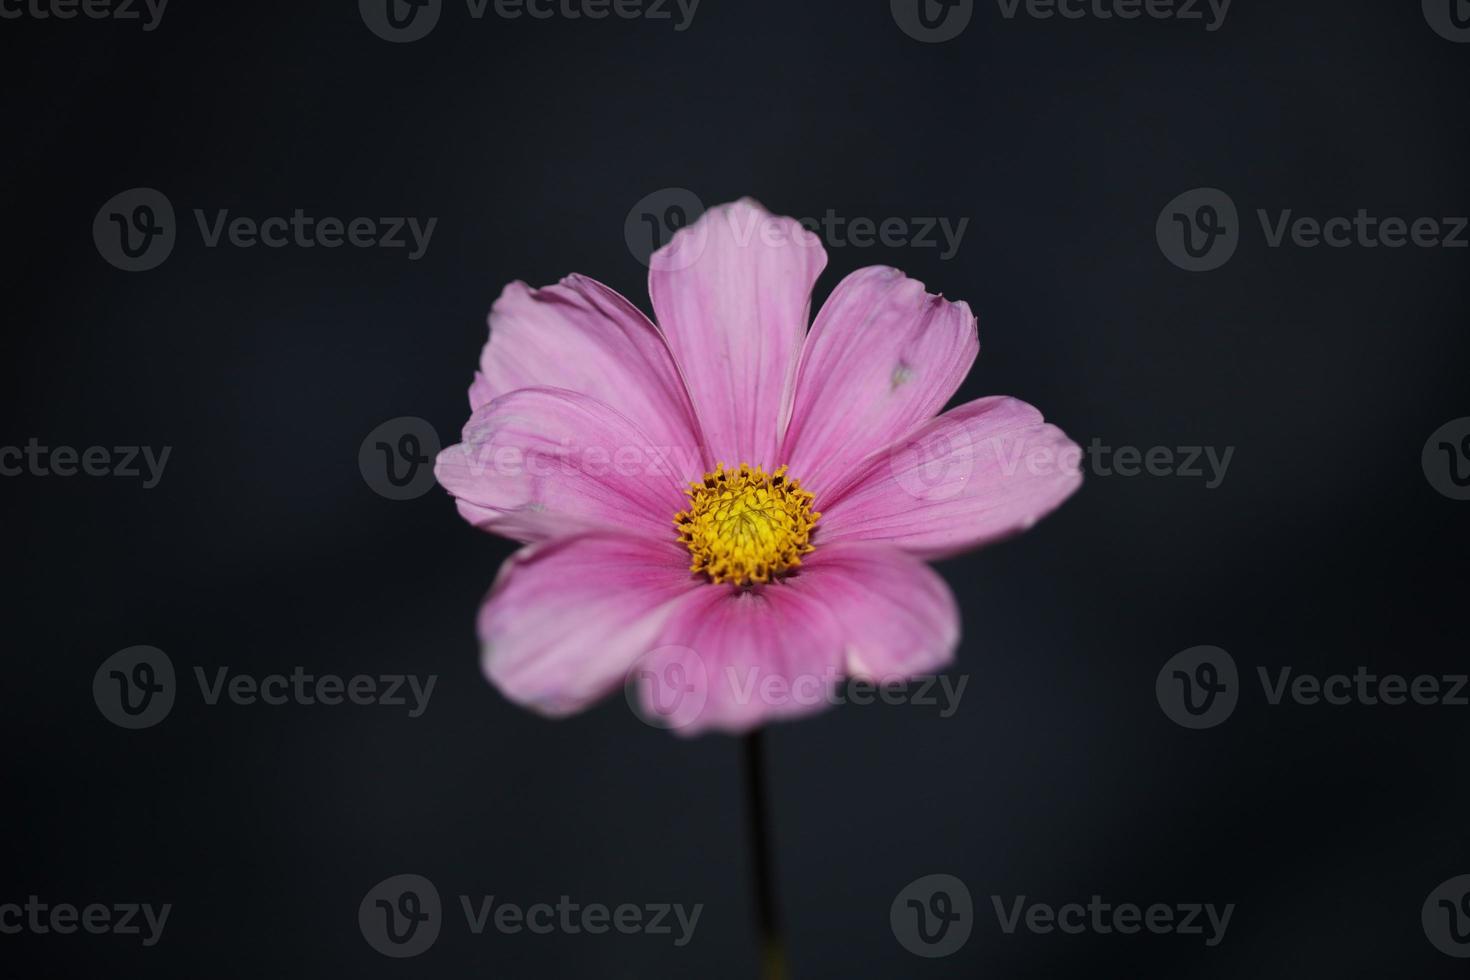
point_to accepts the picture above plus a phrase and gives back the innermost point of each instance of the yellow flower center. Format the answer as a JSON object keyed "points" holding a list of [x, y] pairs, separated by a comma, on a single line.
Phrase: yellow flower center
{"points": [[744, 526]]}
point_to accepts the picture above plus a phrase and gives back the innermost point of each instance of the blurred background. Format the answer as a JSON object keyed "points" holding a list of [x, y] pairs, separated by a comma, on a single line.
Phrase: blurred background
{"points": [[263, 548]]}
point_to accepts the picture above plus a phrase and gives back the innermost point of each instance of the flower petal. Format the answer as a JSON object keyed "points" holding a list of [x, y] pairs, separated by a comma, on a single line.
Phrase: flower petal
{"points": [[583, 336], [731, 660], [566, 620], [980, 472], [540, 463], [732, 293], [899, 617], [882, 357]]}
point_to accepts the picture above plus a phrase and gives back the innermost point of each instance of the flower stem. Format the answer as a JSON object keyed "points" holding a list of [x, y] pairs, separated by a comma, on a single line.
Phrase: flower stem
{"points": [[757, 810]]}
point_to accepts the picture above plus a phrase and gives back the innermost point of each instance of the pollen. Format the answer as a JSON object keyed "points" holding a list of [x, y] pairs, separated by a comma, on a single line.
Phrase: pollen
{"points": [[746, 527]]}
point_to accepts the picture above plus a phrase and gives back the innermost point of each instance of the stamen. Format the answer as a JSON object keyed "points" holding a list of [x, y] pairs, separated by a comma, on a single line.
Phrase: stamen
{"points": [[745, 527]]}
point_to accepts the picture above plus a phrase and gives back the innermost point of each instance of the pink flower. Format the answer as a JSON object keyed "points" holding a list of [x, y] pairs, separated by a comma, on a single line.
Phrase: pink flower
{"points": [[737, 506]]}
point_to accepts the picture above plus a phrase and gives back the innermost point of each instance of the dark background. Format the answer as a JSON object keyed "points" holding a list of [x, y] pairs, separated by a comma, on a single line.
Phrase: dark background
{"points": [[1060, 777]]}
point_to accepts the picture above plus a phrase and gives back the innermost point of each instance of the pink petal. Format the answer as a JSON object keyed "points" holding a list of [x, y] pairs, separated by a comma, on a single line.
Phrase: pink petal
{"points": [[544, 462], [882, 357], [567, 619], [898, 615], [480, 392], [733, 294], [731, 660], [583, 336], [978, 473]]}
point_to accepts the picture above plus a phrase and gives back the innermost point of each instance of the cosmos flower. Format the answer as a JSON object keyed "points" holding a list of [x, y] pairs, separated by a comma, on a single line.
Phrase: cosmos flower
{"points": [[727, 497]]}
